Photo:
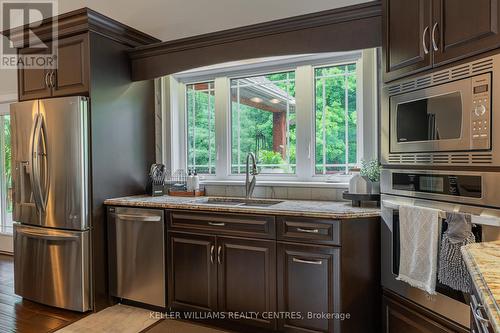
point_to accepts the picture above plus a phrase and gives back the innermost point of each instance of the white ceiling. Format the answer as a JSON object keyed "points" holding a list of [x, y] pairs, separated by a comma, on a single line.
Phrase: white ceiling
{"points": [[173, 19]]}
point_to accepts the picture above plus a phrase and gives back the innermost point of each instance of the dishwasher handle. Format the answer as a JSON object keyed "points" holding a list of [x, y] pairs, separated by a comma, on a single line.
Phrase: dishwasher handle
{"points": [[139, 218]]}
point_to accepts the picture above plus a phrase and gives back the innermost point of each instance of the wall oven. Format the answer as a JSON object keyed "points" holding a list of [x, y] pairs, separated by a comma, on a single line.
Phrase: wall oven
{"points": [[468, 192], [443, 117]]}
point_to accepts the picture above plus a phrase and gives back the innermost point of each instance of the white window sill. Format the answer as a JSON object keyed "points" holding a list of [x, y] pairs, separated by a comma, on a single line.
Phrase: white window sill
{"points": [[311, 184]]}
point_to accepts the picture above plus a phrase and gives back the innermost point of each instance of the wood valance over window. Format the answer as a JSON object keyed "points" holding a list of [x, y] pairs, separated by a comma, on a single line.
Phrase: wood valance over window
{"points": [[342, 29]]}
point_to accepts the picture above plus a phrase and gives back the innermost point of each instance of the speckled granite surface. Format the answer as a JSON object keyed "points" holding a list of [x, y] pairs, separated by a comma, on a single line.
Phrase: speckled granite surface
{"points": [[321, 209], [483, 263]]}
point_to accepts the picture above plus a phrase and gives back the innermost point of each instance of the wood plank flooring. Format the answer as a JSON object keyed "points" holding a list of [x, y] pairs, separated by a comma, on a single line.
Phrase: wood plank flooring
{"points": [[22, 316]]}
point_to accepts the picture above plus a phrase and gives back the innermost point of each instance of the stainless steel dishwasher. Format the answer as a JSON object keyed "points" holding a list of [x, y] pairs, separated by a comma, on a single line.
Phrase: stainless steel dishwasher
{"points": [[136, 248]]}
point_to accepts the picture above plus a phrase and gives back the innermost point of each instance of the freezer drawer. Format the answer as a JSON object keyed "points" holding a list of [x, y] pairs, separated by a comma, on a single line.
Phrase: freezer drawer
{"points": [[137, 255], [52, 267]]}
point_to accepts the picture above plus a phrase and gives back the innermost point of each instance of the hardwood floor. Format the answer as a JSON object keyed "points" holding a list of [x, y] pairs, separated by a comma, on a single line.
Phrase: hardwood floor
{"points": [[22, 316]]}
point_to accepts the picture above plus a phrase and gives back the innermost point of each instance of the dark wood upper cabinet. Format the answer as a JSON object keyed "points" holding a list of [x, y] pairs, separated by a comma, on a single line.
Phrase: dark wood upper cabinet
{"points": [[422, 34], [192, 269], [72, 73], [247, 278], [463, 28], [308, 282], [406, 37], [32, 83], [71, 77]]}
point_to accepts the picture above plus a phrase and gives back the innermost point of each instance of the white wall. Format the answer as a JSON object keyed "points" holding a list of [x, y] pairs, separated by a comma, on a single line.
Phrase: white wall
{"points": [[8, 84]]}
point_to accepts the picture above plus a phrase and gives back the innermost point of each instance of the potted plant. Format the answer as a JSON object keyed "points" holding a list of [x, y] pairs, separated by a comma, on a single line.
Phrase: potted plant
{"points": [[371, 170], [367, 181]]}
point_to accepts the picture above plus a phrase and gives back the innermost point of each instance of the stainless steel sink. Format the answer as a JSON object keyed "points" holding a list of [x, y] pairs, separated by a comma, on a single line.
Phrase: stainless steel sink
{"points": [[239, 202]]}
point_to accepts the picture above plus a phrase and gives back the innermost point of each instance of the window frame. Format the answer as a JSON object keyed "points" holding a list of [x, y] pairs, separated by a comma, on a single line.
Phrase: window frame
{"points": [[304, 67], [184, 114], [359, 119], [292, 69], [4, 229]]}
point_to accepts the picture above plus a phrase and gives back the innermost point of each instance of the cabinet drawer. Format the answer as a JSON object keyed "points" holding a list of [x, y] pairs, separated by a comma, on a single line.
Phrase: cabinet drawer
{"points": [[260, 226], [309, 230]]}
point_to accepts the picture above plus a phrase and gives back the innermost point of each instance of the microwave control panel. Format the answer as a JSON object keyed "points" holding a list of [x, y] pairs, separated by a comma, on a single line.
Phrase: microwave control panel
{"points": [[481, 114]]}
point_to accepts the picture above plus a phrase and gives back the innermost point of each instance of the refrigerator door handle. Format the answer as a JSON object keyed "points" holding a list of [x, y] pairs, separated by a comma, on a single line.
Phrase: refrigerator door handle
{"points": [[33, 162], [52, 235], [42, 158]]}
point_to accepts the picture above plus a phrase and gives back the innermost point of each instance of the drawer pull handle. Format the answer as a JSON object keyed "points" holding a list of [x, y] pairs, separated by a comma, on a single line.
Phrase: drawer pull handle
{"points": [[212, 248], [311, 262], [217, 224], [311, 231]]}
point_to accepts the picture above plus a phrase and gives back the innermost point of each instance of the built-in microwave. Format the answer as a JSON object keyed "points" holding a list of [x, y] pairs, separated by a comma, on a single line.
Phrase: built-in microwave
{"points": [[444, 117]]}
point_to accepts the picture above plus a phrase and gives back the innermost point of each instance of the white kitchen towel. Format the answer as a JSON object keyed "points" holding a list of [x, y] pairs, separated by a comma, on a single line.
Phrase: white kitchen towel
{"points": [[419, 237]]}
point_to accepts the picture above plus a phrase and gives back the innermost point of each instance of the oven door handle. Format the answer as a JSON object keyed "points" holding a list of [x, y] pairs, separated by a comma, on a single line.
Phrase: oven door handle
{"points": [[395, 206], [475, 219]]}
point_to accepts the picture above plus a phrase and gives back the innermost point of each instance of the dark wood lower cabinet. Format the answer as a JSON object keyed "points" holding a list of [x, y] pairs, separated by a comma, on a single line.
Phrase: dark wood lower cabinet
{"points": [[247, 279], [291, 282], [403, 316], [192, 281], [308, 283]]}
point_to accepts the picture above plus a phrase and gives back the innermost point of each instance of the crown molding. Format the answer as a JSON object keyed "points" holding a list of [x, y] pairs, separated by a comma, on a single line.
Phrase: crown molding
{"points": [[81, 21]]}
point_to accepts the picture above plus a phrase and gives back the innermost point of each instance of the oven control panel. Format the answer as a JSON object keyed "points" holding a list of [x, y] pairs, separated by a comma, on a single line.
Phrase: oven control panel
{"points": [[480, 113], [456, 185]]}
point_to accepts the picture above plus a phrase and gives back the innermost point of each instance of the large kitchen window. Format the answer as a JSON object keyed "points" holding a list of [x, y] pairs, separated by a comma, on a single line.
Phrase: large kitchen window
{"points": [[263, 122], [336, 118], [200, 112], [5, 176], [300, 116]]}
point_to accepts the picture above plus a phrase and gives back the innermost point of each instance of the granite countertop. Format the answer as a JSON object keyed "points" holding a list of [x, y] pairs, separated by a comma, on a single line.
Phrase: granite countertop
{"points": [[319, 209], [483, 263]]}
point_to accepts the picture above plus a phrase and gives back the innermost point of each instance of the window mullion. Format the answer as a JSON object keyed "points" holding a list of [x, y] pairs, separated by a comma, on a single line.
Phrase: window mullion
{"points": [[209, 121], [323, 123], [304, 97], [222, 127], [346, 118], [238, 110]]}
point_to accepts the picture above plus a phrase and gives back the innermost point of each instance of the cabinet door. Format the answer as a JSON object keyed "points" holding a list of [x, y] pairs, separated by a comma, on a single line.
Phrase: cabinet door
{"points": [[407, 28], [192, 283], [401, 315], [32, 83], [463, 27], [308, 282], [247, 278], [72, 74]]}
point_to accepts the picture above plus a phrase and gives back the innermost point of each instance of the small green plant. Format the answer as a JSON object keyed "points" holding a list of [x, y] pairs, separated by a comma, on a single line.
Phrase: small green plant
{"points": [[370, 169], [267, 157]]}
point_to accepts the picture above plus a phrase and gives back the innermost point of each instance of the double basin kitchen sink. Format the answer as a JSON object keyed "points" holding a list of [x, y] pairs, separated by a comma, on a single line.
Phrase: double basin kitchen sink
{"points": [[238, 202]]}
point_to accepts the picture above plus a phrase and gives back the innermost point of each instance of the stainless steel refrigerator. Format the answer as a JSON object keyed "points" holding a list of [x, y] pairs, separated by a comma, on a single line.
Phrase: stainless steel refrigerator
{"points": [[51, 202]]}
